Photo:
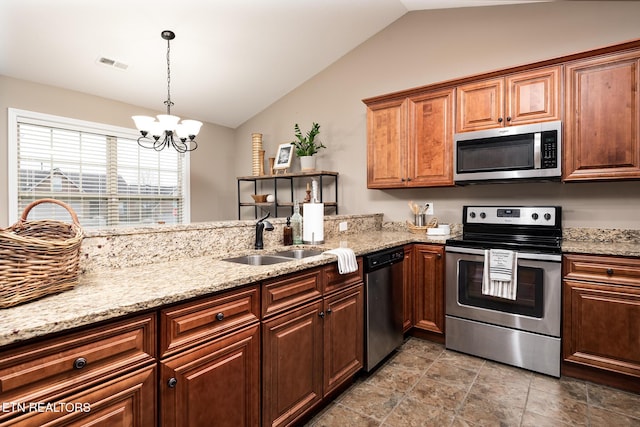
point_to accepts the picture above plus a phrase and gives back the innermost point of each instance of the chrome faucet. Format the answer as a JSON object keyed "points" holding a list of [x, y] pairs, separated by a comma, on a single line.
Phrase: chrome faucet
{"points": [[262, 225]]}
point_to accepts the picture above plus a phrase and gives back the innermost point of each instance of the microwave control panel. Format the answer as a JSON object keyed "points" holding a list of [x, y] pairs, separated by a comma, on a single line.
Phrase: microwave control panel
{"points": [[549, 150]]}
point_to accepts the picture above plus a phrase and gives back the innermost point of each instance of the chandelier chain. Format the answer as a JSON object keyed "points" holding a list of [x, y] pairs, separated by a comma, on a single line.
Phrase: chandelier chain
{"points": [[168, 102]]}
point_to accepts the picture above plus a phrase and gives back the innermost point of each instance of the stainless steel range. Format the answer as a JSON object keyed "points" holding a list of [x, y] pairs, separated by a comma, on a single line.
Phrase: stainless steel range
{"points": [[503, 286]]}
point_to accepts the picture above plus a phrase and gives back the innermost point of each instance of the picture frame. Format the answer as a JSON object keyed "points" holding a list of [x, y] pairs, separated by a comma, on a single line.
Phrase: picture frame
{"points": [[284, 156]]}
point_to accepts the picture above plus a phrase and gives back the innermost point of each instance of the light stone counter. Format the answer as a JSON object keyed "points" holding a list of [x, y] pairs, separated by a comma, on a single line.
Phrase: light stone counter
{"points": [[109, 293]]}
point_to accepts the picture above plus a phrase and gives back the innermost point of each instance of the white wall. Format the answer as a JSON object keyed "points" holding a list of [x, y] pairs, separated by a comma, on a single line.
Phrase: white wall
{"points": [[424, 47]]}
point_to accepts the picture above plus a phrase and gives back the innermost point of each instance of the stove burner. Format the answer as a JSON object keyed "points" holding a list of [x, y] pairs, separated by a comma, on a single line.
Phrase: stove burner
{"points": [[534, 229]]}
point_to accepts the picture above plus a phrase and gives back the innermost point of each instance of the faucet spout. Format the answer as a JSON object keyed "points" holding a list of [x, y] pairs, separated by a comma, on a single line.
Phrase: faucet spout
{"points": [[262, 225]]}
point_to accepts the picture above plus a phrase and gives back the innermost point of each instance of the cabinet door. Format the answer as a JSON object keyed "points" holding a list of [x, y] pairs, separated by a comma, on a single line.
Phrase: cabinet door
{"points": [[129, 400], [429, 289], [408, 288], [602, 132], [602, 326], [533, 96], [291, 364], [430, 149], [215, 384], [480, 105], [386, 144], [343, 336]]}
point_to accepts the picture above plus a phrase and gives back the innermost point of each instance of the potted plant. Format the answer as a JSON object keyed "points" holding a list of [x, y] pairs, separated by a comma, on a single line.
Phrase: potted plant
{"points": [[307, 145]]}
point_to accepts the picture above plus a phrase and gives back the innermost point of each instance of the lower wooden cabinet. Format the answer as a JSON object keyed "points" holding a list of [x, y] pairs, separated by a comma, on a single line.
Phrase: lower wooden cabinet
{"points": [[291, 364], [310, 350], [601, 320], [407, 288], [429, 291], [129, 400], [343, 336], [214, 384]]}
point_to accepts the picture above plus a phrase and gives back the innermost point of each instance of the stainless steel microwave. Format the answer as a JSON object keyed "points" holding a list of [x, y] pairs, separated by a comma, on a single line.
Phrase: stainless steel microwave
{"points": [[516, 152]]}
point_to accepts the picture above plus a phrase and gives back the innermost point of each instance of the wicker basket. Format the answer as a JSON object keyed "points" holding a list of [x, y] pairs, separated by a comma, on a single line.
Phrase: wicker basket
{"points": [[39, 257], [422, 229]]}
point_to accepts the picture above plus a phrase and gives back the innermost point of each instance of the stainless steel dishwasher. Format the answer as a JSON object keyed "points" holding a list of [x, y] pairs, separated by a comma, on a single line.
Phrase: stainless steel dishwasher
{"points": [[383, 316]]}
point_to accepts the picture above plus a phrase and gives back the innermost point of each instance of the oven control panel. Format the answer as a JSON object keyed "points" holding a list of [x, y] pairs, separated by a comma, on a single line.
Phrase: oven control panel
{"points": [[513, 215]]}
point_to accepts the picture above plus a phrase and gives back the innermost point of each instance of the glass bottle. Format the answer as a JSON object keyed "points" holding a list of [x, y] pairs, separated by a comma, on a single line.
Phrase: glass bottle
{"points": [[287, 236], [296, 224]]}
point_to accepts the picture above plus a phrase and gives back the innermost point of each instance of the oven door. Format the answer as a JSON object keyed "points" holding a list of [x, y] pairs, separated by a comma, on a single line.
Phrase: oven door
{"points": [[537, 307]]}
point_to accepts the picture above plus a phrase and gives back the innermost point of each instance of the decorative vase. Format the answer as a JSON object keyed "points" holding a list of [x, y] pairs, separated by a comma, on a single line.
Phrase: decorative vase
{"points": [[307, 163], [256, 147]]}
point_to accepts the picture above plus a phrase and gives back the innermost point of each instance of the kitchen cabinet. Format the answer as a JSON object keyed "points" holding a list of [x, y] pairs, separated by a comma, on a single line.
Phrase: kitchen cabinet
{"points": [[601, 319], [269, 185], [312, 342], [210, 361], [410, 140], [429, 291], [111, 368], [520, 98], [407, 287], [602, 135]]}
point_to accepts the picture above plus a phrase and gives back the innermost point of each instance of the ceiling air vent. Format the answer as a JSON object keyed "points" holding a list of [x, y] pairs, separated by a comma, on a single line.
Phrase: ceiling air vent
{"points": [[112, 63]]}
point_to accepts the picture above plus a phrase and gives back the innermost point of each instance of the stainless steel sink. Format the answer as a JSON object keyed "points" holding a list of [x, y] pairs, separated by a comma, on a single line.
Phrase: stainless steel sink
{"points": [[299, 253], [259, 259]]}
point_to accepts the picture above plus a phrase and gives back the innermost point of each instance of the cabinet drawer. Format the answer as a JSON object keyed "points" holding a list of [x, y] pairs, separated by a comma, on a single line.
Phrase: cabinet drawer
{"points": [[192, 323], [334, 280], [605, 269], [50, 369], [290, 291]]}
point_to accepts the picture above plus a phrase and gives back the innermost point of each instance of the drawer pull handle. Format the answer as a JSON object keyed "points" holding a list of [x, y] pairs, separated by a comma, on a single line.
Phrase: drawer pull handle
{"points": [[220, 316], [610, 271], [80, 363], [172, 383]]}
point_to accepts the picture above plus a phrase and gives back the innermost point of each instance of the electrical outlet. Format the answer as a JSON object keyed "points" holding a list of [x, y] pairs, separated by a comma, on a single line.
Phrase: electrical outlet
{"points": [[429, 210], [343, 226]]}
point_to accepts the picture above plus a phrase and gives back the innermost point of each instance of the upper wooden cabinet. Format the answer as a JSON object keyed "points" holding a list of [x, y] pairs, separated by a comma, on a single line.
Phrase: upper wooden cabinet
{"points": [[409, 141], [602, 132], [515, 99]]}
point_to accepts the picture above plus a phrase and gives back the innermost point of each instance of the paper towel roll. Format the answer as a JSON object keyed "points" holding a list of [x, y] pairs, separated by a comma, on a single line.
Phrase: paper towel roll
{"points": [[313, 223]]}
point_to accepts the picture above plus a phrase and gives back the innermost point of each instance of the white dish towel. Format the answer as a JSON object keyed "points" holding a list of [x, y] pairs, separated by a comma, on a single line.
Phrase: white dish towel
{"points": [[347, 262], [500, 274]]}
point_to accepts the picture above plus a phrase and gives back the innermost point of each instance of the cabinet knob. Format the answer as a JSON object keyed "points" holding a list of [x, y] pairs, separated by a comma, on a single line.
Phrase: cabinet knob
{"points": [[321, 314], [439, 255], [610, 271], [80, 363], [402, 179], [329, 311], [408, 179], [219, 316], [172, 383], [508, 118], [499, 119]]}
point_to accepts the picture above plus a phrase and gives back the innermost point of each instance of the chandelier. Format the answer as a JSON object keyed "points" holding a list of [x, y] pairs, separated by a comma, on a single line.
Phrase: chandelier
{"points": [[166, 131]]}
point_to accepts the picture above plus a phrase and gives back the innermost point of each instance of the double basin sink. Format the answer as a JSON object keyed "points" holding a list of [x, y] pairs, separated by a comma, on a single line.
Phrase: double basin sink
{"points": [[278, 257]]}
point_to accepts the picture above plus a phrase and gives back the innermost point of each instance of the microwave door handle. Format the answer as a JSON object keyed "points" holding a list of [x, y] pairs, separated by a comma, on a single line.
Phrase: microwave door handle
{"points": [[537, 150]]}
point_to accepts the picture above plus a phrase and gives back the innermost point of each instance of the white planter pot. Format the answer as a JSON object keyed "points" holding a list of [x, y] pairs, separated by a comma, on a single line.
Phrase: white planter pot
{"points": [[307, 163]]}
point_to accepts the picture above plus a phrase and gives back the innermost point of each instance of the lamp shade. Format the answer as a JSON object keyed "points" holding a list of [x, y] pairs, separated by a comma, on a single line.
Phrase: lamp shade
{"points": [[143, 123], [192, 127]]}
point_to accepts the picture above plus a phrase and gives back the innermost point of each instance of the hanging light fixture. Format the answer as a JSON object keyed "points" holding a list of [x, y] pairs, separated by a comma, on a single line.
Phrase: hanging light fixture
{"points": [[166, 131]]}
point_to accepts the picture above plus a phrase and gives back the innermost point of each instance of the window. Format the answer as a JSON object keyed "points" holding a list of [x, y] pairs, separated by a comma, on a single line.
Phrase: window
{"points": [[99, 170]]}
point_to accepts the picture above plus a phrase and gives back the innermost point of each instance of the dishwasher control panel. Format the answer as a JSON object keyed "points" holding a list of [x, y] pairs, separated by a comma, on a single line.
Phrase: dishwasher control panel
{"points": [[384, 257]]}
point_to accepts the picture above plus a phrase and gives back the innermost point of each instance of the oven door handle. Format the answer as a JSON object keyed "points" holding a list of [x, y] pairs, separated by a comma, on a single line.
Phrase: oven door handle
{"points": [[521, 255]]}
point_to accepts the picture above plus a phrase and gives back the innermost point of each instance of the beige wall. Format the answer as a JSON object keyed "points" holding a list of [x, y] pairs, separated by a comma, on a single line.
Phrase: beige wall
{"points": [[212, 175], [430, 46]]}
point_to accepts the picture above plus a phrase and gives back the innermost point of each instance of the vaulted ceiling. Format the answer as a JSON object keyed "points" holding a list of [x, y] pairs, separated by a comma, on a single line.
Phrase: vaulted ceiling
{"points": [[230, 58]]}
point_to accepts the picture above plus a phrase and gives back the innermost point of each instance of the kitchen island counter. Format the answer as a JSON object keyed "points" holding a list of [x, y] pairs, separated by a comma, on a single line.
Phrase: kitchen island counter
{"points": [[111, 293]]}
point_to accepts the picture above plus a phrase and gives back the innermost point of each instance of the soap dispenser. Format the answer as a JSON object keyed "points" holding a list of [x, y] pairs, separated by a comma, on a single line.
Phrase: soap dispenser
{"points": [[287, 233], [296, 224]]}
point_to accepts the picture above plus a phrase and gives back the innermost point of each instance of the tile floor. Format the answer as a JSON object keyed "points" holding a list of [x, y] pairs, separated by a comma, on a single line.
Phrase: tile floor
{"points": [[425, 385]]}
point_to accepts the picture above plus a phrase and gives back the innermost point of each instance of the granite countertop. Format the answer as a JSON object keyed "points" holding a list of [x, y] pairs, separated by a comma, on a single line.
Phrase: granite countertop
{"points": [[112, 293]]}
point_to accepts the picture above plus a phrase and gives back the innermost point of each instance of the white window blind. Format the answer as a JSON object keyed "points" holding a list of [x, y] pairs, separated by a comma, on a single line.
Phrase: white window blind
{"points": [[99, 170]]}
